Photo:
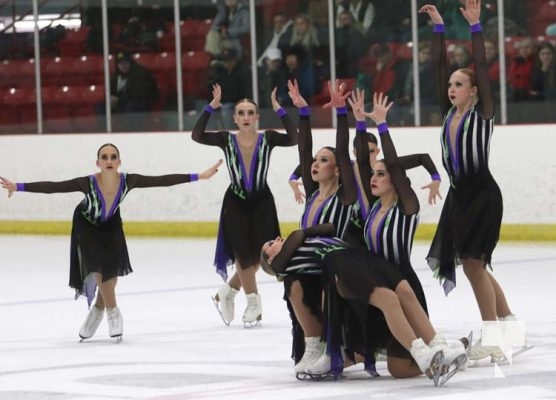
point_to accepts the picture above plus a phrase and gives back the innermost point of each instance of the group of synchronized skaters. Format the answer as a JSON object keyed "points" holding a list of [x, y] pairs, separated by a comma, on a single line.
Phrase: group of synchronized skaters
{"points": [[349, 285]]}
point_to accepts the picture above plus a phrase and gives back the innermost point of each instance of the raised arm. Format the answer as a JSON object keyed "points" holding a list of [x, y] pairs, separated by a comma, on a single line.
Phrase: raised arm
{"points": [[142, 181], [357, 103], [72, 185], [406, 195], [291, 138], [210, 138], [472, 13], [347, 179], [305, 146], [439, 57]]}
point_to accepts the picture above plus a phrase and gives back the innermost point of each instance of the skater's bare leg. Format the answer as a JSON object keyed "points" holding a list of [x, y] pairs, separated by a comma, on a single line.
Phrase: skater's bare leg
{"points": [[482, 288], [414, 312], [107, 291], [247, 278], [502, 307], [308, 321]]}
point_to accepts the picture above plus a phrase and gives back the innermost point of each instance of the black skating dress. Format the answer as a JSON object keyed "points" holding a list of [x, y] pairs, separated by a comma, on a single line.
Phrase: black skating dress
{"points": [[97, 238], [469, 225], [248, 216]]}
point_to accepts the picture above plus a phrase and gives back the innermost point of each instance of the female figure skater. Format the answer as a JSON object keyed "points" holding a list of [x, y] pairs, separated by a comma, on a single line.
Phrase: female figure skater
{"points": [[329, 185], [469, 225], [248, 217], [98, 254], [368, 280]]}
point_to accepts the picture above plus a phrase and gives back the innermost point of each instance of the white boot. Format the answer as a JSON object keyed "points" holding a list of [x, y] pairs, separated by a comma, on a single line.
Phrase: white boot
{"points": [[429, 360], [455, 356], [254, 310], [493, 341], [319, 367], [513, 331], [93, 320], [313, 351], [224, 302], [115, 322]]}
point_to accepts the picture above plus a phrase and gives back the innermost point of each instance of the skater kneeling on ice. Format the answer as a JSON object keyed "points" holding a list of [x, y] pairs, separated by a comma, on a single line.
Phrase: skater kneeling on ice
{"points": [[363, 279], [98, 250]]}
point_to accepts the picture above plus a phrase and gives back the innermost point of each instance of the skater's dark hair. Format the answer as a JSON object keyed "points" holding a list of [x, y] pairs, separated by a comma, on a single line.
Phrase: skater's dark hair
{"points": [[106, 145], [265, 265]]}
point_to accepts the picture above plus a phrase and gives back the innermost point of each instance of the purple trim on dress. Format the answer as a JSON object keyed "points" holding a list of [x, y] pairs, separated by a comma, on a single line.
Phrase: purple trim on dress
{"points": [[293, 177], [361, 126], [341, 110], [382, 128], [20, 187], [455, 159], [475, 28], [319, 210], [438, 28], [193, 177], [116, 202], [221, 259], [304, 111], [281, 112], [248, 179], [89, 288], [436, 177], [209, 109], [101, 198]]}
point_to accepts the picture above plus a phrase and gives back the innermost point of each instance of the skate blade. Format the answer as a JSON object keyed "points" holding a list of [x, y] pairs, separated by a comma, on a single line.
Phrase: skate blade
{"points": [[305, 376], [252, 324], [215, 301], [456, 366], [504, 360], [435, 369]]}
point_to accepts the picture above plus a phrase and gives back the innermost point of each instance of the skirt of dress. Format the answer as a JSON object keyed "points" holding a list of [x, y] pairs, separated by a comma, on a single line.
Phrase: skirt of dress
{"points": [[96, 248], [245, 225], [469, 227]]}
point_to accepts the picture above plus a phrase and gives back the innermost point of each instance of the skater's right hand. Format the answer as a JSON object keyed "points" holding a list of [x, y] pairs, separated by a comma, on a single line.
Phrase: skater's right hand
{"points": [[298, 194], [433, 13], [8, 185], [295, 95], [216, 96], [209, 173]]}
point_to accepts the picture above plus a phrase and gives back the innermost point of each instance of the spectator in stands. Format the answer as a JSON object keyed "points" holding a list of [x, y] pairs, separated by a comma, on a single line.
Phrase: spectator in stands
{"points": [[234, 77], [270, 77], [229, 25], [141, 34], [281, 25], [543, 78], [520, 70], [350, 46], [493, 65], [302, 33], [428, 91], [296, 67], [461, 58], [392, 22], [363, 12]]}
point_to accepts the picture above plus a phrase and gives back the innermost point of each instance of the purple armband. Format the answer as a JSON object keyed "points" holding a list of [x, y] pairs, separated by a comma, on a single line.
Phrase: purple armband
{"points": [[475, 28], [20, 187], [193, 177], [382, 128], [304, 111], [209, 109], [281, 112], [436, 177], [293, 177], [360, 126], [438, 28], [341, 110]]}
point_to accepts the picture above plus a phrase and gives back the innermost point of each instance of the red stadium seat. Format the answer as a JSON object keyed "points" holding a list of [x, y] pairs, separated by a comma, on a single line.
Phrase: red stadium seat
{"points": [[196, 60]]}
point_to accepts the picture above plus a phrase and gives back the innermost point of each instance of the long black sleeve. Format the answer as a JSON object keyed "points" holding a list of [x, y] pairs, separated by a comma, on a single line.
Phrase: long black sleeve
{"points": [[406, 195], [347, 178], [305, 149], [485, 105], [363, 166], [424, 160], [142, 181], [291, 138], [440, 68], [210, 138], [72, 185]]}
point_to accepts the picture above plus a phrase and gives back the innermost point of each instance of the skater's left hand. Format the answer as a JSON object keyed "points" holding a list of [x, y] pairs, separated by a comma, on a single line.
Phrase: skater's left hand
{"points": [[8, 185], [434, 191], [209, 173]]}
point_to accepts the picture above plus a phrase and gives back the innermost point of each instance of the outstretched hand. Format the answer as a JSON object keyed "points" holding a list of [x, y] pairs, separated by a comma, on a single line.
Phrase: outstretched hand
{"points": [[357, 103], [216, 96], [8, 185], [433, 13], [380, 108], [295, 95], [337, 95], [275, 105], [297, 193], [472, 11], [434, 191], [209, 173]]}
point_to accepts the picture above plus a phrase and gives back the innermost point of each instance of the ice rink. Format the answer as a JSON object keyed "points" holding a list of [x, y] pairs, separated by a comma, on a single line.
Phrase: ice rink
{"points": [[176, 347]]}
